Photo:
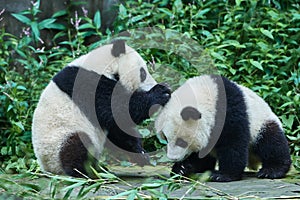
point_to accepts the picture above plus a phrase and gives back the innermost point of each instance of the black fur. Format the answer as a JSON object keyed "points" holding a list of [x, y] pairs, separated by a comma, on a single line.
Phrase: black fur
{"points": [[143, 74], [73, 154], [190, 113], [193, 164], [272, 148], [108, 105], [65, 79], [118, 48], [233, 144]]}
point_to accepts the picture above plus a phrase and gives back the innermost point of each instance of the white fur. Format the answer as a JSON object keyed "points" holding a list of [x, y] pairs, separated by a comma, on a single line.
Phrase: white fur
{"points": [[201, 93], [55, 117], [258, 112], [126, 65]]}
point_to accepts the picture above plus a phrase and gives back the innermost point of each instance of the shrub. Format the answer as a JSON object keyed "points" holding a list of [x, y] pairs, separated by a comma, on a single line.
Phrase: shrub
{"points": [[255, 43]]}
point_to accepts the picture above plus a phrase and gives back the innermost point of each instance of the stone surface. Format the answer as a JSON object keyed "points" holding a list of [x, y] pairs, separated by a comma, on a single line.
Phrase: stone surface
{"points": [[137, 179]]}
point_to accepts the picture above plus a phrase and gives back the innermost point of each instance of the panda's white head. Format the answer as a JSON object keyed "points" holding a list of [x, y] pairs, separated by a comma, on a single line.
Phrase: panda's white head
{"points": [[188, 118], [118, 61]]}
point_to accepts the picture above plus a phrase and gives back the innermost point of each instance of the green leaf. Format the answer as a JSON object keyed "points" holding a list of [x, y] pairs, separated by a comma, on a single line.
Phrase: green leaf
{"points": [[274, 15], [238, 2], [144, 132], [56, 26], [266, 33], [286, 104], [178, 4], [45, 23], [123, 194], [35, 30], [132, 195], [122, 11], [20, 125], [217, 56], [137, 18], [22, 18], [59, 13], [201, 13], [10, 107], [107, 175], [97, 19], [288, 121], [150, 185], [296, 16], [21, 87], [30, 186], [256, 64], [166, 11], [75, 185], [231, 43], [85, 26]]}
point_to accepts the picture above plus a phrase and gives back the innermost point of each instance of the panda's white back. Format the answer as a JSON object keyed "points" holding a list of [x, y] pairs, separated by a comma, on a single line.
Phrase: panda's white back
{"points": [[55, 117], [259, 112]]}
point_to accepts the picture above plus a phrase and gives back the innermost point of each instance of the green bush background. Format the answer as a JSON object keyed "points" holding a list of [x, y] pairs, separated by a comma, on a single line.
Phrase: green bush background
{"points": [[255, 43]]}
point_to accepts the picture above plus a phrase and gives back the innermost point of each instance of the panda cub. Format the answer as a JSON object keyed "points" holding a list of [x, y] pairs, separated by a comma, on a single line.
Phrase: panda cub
{"points": [[100, 95], [210, 118]]}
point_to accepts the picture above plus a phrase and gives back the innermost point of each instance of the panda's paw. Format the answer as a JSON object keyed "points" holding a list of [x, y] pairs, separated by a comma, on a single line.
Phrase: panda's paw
{"points": [[141, 158], [271, 173], [182, 169], [220, 177], [160, 93]]}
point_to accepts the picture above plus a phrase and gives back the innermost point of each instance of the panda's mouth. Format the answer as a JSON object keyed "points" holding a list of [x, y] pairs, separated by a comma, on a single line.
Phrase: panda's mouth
{"points": [[177, 153]]}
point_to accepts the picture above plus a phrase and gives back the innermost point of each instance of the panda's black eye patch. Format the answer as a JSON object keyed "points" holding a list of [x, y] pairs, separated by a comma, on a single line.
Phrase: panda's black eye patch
{"points": [[143, 74], [181, 142]]}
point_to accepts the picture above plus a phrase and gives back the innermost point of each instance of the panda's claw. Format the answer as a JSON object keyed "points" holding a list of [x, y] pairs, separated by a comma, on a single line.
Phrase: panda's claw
{"points": [[220, 177], [181, 169], [272, 173]]}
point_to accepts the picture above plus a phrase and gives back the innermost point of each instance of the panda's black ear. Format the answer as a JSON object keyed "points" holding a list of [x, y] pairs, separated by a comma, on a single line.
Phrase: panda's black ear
{"points": [[119, 44], [190, 113], [118, 48]]}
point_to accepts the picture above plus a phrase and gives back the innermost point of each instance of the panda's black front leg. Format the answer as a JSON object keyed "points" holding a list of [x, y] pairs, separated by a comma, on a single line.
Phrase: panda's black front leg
{"points": [[142, 104], [194, 164], [232, 162], [128, 142]]}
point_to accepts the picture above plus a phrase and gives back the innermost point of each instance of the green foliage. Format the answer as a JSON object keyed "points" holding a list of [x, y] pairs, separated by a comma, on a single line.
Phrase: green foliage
{"points": [[255, 43], [25, 71], [33, 21]]}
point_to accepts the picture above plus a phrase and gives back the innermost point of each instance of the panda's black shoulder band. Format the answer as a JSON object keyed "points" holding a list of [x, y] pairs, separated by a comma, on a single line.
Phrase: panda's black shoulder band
{"points": [[65, 79]]}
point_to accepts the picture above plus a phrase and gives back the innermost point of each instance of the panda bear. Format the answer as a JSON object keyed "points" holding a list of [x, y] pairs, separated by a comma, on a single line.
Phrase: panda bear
{"points": [[100, 95], [210, 118]]}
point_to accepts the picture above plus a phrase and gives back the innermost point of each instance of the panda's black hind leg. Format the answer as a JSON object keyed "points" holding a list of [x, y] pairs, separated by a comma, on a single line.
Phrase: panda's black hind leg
{"points": [[272, 148], [74, 155], [194, 164]]}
